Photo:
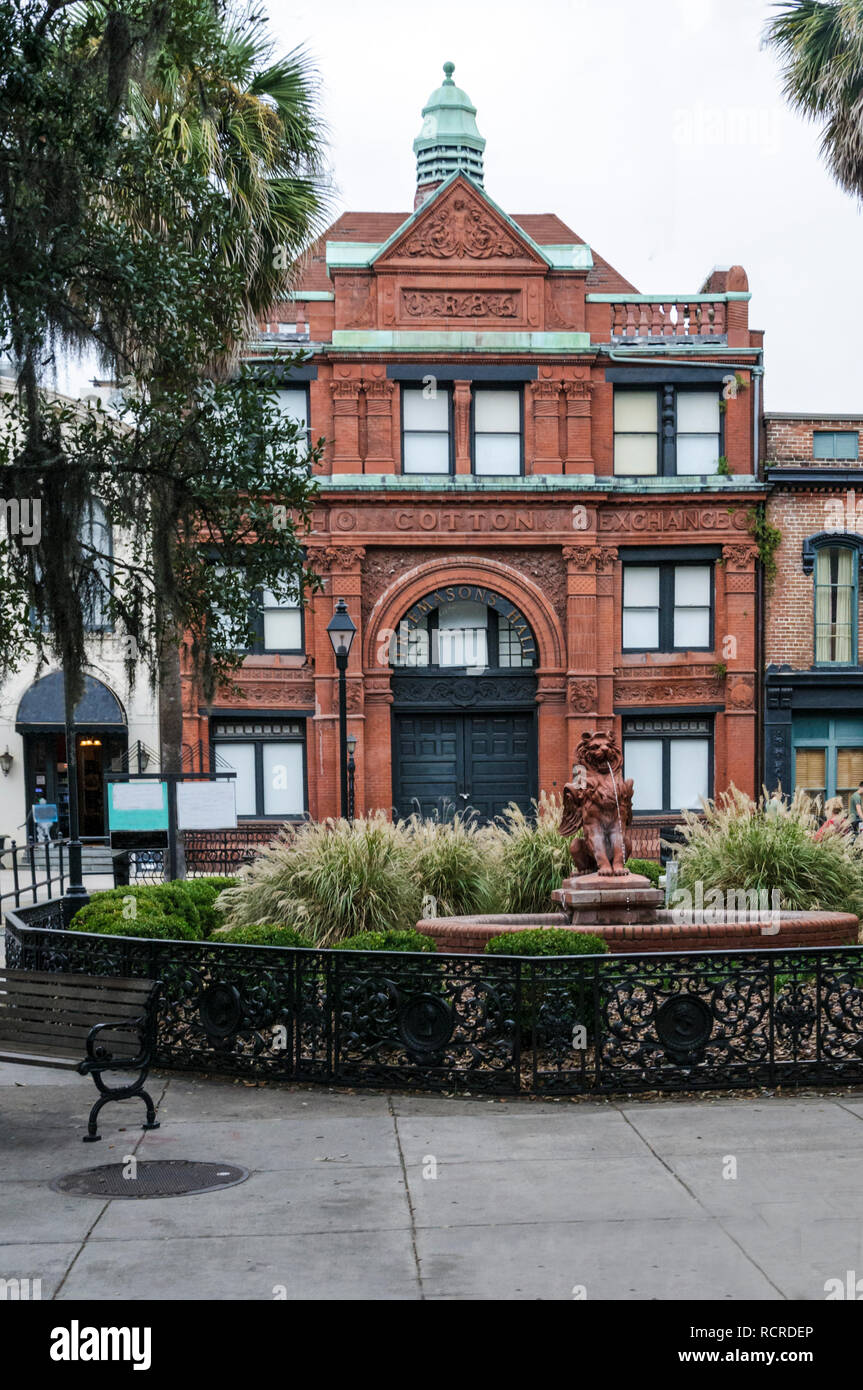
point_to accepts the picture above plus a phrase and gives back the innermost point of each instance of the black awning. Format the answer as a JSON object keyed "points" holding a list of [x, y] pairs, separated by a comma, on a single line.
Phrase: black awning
{"points": [[41, 707]]}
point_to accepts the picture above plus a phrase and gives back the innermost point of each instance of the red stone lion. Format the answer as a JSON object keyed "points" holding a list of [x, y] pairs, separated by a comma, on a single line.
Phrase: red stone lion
{"points": [[599, 803]]}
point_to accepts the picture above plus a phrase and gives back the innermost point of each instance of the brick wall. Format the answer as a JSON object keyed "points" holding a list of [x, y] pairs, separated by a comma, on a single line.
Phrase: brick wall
{"points": [[788, 439]]}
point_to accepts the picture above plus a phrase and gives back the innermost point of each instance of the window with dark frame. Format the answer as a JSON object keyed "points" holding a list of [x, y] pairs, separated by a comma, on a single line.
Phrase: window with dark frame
{"points": [[426, 429], [696, 431], [670, 760], [497, 433], [835, 444], [269, 759], [836, 569], [667, 607], [293, 402]]}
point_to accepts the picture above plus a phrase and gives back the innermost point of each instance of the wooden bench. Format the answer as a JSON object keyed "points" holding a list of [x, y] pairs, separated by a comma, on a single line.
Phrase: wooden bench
{"points": [[50, 1019]]}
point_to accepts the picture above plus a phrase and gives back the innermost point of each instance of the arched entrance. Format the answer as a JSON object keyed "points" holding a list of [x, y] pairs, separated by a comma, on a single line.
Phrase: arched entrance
{"points": [[101, 738], [464, 720]]}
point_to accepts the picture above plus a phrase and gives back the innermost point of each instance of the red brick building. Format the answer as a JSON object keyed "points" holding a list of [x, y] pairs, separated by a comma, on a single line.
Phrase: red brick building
{"points": [[534, 501], [813, 730]]}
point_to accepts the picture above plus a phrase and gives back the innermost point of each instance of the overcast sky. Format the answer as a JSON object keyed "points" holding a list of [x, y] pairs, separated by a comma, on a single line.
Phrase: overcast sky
{"points": [[656, 130]]}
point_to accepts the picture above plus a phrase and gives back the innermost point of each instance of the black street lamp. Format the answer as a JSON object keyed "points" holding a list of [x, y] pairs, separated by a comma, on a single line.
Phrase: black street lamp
{"points": [[76, 895], [352, 768], [341, 633]]}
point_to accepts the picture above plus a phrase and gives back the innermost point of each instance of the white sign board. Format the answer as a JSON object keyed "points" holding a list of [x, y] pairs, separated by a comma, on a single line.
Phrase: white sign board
{"points": [[206, 805], [137, 796]]}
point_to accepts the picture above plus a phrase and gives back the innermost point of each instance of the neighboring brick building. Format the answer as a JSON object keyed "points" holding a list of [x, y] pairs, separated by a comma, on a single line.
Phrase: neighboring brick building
{"points": [[534, 499], [813, 731]]}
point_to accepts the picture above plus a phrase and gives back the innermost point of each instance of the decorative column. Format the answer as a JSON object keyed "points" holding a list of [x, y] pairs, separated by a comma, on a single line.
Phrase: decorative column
{"points": [[461, 410], [583, 641], [340, 569], [579, 456], [736, 649], [379, 424], [546, 426], [346, 424]]}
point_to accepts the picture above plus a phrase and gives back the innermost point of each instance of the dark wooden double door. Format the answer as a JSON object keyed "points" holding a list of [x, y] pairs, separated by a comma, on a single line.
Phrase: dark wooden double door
{"points": [[473, 762]]}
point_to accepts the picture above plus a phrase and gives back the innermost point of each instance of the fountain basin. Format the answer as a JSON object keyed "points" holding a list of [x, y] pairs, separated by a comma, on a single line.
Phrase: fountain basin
{"points": [[733, 931]]}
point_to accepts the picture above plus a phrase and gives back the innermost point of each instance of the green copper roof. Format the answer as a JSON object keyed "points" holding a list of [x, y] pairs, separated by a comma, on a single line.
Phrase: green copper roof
{"points": [[449, 138]]}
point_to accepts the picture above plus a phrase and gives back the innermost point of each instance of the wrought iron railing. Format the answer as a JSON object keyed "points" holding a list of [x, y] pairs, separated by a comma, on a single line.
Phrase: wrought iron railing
{"points": [[575, 1025]]}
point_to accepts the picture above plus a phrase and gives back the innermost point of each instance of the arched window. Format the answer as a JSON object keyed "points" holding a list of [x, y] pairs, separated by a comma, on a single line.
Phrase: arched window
{"points": [[836, 569], [464, 634]]}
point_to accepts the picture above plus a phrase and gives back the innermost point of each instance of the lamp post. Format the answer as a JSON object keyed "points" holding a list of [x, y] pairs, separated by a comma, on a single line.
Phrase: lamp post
{"points": [[352, 767], [341, 634], [76, 894]]}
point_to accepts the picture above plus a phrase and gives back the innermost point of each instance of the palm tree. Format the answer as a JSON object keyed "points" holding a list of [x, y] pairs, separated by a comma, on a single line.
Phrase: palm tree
{"points": [[820, 46], [249, 123]]}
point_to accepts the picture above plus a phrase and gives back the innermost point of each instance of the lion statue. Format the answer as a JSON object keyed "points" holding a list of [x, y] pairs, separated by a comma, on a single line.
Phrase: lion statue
{"points": [[598, 802]]}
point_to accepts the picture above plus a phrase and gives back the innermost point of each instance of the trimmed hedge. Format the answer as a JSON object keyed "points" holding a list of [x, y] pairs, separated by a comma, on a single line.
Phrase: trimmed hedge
{"points": [[387, 941], [183, 910], [546, 941], [648, 867]]}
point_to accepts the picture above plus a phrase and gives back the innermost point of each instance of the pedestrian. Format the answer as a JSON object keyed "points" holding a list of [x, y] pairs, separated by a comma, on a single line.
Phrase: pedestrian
{"points": [[857, 808]]}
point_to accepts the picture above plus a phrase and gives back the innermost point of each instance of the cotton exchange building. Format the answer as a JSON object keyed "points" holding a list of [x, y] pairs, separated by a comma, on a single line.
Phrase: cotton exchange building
{"points": [[535, 500]]}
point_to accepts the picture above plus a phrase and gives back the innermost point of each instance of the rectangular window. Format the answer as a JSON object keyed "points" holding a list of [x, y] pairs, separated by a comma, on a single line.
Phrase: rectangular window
{"points": [[835, 444], [849, 773], [496, 432], [810, 771], [268, 758], [835, 606], [280, 627], [636, 433], [240, 758], [670, 762], [695, 447], [641, 607], [667, 607], [294, 403], [426, 430], [697, 432]]}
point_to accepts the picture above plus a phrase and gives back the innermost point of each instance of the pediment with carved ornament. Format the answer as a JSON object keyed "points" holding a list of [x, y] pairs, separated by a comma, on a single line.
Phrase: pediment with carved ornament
{"points": [[461, 226]]}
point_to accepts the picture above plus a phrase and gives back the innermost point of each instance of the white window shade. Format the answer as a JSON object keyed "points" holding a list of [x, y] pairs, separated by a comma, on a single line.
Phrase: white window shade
{"points": [[240, 758], [692, 585], [294, 404], [425, 453], [641, 628], [497, 454], [689, 772], [698, 412], [283, 630], [496, 411], [697, 454], [283, 779], [642, 758], [641, 586], [421, 412], [636, 411], [635, 455], [697, 432]]}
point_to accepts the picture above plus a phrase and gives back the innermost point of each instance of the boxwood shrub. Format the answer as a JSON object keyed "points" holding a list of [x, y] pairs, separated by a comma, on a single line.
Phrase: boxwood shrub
{"points": [[648, 867], [546, 941], [387, 941], [182, 910]]}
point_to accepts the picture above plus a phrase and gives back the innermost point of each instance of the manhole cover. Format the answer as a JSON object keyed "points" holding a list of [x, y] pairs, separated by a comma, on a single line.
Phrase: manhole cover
{"points": [[167, 1177]]}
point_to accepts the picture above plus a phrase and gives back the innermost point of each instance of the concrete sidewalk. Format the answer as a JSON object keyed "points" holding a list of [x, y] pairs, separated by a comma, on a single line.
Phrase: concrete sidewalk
{"points": [[530, 1200]]}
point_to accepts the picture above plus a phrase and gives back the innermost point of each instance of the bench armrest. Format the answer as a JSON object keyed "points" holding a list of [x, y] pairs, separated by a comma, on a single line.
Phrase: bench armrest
{"points": [[106, 1062]]}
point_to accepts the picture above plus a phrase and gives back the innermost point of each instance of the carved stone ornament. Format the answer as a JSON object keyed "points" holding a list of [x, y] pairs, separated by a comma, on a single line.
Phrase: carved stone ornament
{"points": [[460, 229]]}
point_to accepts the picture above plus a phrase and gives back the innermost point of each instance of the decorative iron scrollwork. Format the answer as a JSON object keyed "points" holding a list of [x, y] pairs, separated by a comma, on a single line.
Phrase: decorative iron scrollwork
{"points": [[683, 1025], [426, 1023], [220, 1010]]}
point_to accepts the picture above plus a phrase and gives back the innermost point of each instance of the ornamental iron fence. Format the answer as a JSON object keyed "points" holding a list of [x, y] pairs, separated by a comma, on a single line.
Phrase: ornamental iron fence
{"points": [[552, 1026]]}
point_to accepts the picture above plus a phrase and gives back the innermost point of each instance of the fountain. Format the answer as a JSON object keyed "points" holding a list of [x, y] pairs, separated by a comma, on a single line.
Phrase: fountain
{"points": [[602, 897]]}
